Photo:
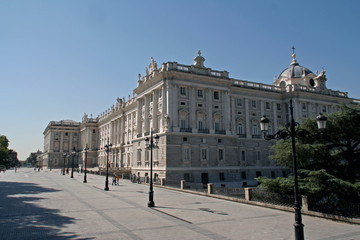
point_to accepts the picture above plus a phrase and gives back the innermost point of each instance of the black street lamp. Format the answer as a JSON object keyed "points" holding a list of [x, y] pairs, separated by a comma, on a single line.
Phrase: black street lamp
{"points": [[150, 144], [292, 131], [73, 153], [85, 150], [65, 155], [107, 149]]}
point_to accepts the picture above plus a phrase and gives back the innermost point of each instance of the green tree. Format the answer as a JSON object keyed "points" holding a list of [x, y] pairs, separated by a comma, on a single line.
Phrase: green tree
{"points": [[335, 149], [31, 159], [4, 151], [328, 160]]}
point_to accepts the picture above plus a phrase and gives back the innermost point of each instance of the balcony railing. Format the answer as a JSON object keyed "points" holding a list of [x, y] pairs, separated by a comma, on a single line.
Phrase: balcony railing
{"points": [[220, 132], [203, 130], [185, 130]]}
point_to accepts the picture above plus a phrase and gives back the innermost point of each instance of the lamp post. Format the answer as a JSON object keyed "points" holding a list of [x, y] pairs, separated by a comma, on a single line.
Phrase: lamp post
{"points": [[64, 155], [85, 150], [73, 153], [150, 144], [292, 131], [107, 149]]}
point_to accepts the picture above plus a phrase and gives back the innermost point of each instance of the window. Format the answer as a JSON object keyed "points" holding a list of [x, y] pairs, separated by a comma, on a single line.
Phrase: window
{"points": [[278, 106], [219, 140], [243, 175], [186, 154], [203, 154], [200, 105], [243, 157], [239, 102], [222, 176], [267, 104], [200, 125], [324, 108], [253, 103], [272, 174], [94, 131], [182, 91], [257, 155], [200, 93], [156, 154], [221, 154], [258, 173], [255, 130], [240, 129], [147, 155], [66, 134], [216, 95], [303, 106], [185, 139], [183, 103], [217, 126], [182, 123]]}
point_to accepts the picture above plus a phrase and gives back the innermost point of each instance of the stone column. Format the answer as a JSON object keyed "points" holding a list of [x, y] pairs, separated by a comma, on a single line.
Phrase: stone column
{"points": [[192, 109], [138, 119], [247, 119], [233, 115], [275, 117], [226, 111], [61, 142], [174, 117], [146, 112], [209, 114], [155, 110]]}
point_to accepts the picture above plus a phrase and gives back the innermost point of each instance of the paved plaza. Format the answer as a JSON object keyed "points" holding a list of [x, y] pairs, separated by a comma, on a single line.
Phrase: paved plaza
{"points": [[48, 205]]}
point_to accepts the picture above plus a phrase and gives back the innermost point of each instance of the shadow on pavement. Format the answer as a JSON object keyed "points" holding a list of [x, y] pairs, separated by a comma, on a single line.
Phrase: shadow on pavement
{"points": [[21, 218]]}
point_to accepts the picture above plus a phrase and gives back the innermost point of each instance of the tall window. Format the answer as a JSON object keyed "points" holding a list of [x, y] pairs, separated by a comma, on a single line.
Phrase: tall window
{"points": [[253, 103], [239, 102], [186, 154], [200, 93], [182, 123], [257, 155], [243, 157], [217, 126], [200, 125], [240, 129], [278, 106], [204, 154], [267, 105], [182, 91], [216, 95], [221, 154], [255, 130]]}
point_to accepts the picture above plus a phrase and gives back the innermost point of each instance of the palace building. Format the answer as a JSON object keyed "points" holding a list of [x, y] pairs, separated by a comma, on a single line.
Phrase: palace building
{"points": [[207, 123]]}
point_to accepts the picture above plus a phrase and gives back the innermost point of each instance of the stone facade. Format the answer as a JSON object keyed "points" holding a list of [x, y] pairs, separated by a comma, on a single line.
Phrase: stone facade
{"points": [[208, 123]]}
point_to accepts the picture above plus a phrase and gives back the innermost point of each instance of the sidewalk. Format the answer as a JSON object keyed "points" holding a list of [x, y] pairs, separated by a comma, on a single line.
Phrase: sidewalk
{"points": [[48, 205]]}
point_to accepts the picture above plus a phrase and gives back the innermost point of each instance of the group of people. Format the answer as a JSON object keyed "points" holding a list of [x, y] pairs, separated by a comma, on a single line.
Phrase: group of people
{"points": [[134, 178], [115, 180]]}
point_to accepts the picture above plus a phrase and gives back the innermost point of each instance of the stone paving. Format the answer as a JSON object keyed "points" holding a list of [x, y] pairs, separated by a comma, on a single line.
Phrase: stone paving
{"points": [[48, 205]]}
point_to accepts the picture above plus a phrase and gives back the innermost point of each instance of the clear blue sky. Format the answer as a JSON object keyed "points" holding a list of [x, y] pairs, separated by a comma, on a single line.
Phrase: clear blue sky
{"points": [[59, 59]]}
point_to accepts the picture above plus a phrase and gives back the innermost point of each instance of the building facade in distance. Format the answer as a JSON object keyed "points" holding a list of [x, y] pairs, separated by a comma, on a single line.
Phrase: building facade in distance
{"points": [[208, 123]]}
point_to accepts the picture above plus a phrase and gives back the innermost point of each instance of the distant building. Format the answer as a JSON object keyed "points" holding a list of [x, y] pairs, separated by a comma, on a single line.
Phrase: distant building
{"points": [[208, 123]]}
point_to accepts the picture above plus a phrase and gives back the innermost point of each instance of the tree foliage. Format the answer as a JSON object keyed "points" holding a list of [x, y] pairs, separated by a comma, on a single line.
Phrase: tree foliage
{"points": [[4, 151], [328, 160]]}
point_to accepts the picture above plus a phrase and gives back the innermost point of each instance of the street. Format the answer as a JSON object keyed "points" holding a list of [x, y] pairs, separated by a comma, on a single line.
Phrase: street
{"points": [[48, 205]]}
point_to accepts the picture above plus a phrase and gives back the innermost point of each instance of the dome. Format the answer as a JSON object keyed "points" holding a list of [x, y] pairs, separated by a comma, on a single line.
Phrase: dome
{"points": [[295, 71]]}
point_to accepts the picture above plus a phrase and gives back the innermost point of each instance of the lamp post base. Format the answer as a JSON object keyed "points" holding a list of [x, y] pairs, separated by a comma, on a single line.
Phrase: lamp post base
{"points": [[151, 199], [151, 204]]}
